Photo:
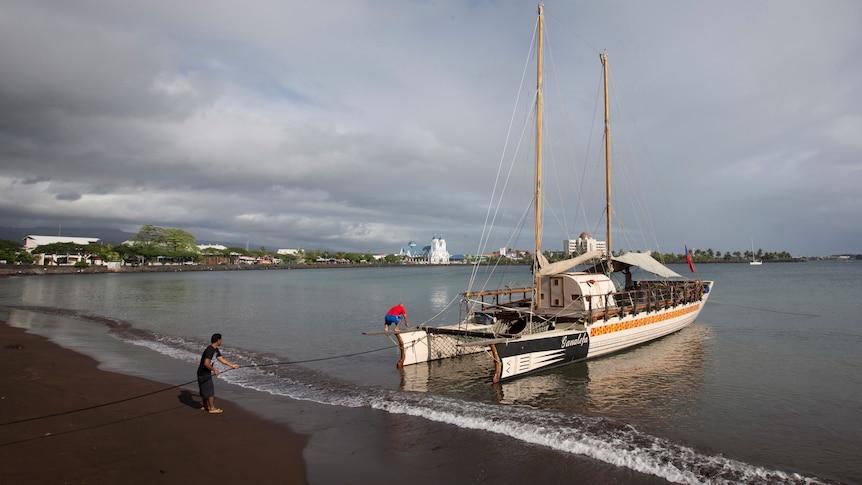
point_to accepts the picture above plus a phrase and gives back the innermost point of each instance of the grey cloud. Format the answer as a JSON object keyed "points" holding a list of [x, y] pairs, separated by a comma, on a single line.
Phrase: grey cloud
{"points": [[68, 196], [288, 125]]}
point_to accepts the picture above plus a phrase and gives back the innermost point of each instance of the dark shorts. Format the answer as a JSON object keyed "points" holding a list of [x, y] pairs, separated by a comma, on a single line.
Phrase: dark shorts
{"points": [[206, 386], [390, 319]]}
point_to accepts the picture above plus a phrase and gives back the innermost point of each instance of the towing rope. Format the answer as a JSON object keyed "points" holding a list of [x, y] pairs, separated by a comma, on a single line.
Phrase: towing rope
{"points": [[96, 406], [762, 309], [273, 364]]}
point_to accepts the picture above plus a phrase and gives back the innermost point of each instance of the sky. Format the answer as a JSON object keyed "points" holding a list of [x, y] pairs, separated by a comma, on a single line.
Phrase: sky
{"points": [[361, 125]]}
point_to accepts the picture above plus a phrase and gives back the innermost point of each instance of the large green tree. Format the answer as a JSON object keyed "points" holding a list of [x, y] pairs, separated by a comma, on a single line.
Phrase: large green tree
{"points": [[13, 252], [61, 249], [152, 242]]}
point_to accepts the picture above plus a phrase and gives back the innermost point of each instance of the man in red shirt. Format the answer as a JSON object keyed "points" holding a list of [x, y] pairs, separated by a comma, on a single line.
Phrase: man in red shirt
{"points": [[395, 315]]}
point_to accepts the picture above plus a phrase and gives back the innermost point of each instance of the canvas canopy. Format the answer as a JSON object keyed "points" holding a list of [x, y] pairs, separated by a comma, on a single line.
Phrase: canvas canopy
{"points": [[546, 268], [643, 261]]}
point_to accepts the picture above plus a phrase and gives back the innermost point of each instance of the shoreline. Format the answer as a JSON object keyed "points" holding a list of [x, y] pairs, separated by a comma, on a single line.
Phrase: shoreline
{"points": [[7, 270], [36, 270]]}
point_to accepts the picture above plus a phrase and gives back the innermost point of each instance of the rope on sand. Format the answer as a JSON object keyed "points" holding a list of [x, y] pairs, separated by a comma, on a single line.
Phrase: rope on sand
{"points": [[96, 406], [273, 364]]}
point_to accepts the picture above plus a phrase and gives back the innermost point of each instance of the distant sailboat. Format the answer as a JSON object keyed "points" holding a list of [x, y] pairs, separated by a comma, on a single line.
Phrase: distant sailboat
{"points": [[754, 261]]}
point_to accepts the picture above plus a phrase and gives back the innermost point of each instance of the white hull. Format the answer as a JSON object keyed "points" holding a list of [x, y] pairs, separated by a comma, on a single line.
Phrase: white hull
{"points": [[634, 330], [420, 346]]}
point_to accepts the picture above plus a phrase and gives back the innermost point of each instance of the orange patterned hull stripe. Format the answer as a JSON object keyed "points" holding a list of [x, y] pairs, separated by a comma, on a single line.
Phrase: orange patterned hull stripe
{"points": [[640, 322]]}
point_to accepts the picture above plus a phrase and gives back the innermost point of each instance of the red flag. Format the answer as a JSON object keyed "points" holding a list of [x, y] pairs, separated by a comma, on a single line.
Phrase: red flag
{"points": [[688, 259]]}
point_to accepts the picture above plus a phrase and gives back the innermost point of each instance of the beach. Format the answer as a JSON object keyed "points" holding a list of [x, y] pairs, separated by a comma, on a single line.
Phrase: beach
{"points": [[162, 437]]}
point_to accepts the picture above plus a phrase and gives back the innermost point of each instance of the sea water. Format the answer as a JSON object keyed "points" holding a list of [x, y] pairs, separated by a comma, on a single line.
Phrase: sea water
{"points": [[764, 387]]}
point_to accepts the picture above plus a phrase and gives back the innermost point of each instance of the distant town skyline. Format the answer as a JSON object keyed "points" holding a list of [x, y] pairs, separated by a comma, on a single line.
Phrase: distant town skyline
{"points": [[116, 237]]}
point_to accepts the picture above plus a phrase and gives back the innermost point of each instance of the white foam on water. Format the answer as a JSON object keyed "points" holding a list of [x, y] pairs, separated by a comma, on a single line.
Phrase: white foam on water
{"points": [[165, 349], [597, 438]]}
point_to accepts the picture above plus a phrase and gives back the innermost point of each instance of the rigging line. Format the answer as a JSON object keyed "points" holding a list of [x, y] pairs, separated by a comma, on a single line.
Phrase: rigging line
{"points": [[566, 27], [637, 197], [486, 231], [711, 300], [101, 425], [513, 237], [96, 406], [290, 362], [448, 305], [552, 156], [582, 183]]}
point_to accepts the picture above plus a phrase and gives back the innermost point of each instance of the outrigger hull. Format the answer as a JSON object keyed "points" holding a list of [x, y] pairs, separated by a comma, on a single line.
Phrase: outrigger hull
{"points": [[525, 355], [426, 344]]}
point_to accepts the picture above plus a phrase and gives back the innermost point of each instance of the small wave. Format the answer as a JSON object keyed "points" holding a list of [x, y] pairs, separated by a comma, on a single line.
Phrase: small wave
{"points": [[598, 438]]}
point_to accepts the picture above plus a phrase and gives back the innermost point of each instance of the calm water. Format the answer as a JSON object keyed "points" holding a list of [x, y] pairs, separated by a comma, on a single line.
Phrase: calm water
{"points": [[765, 387]]}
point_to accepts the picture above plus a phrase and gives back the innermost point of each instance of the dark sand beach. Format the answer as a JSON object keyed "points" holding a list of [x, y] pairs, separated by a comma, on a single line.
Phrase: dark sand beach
{"points": [[160, 438]]}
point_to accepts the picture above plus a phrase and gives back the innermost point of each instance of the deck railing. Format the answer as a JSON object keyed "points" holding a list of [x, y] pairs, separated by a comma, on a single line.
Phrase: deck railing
{"points": [[646, 296]]}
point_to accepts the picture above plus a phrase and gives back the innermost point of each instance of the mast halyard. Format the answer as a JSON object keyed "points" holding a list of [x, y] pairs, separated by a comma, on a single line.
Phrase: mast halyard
{"points": [[538, 195], [604, 57]]}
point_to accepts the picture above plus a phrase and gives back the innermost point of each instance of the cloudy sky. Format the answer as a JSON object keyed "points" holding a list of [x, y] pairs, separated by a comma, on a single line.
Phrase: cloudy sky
{"points": [[361, 125]]}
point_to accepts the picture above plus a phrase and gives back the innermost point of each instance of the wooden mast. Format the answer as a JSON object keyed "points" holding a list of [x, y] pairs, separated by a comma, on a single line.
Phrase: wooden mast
{"points": [[604, 57], [538, 194]]}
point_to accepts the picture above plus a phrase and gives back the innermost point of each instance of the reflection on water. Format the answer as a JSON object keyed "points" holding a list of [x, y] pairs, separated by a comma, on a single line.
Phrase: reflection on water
{"points": [[653, 381], [439, 297], [646, 384], [466, 376], [660, 379]]}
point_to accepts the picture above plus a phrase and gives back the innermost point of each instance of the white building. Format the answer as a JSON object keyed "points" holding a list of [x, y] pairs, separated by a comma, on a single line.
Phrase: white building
{"points": [[409, 251], [584, 243], [217, 247], [437, 253], [32, 242]]}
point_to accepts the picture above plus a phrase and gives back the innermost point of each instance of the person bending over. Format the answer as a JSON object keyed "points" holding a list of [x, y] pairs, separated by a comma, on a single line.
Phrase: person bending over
{"points": [[395, 315]]}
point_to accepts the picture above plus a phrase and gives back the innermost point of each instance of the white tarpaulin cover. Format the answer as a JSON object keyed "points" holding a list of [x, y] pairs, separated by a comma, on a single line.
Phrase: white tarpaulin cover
{"points": [[646, 262], [643, 261], [546, 268]]}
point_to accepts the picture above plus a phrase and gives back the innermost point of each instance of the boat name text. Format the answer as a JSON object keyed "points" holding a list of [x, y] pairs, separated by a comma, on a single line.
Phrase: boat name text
{"points": [[582, 339]]}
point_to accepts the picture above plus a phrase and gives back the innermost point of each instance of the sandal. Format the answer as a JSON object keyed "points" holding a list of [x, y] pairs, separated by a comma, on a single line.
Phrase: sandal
{"points": [[216, 411]]}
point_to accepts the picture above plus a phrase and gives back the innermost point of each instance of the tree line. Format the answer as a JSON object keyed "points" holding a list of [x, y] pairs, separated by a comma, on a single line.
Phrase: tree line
{"points": [[150, 244], [711, 256], [154, 244], [697, 256]]}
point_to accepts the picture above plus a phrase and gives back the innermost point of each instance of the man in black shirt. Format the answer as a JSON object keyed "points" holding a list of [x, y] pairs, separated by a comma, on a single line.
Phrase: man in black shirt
{"points": [[205, 373]]}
